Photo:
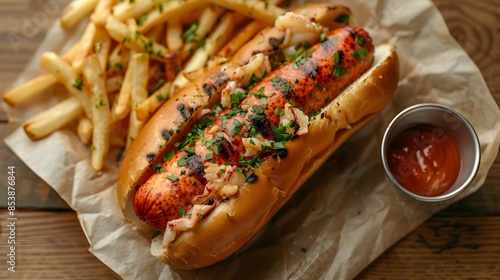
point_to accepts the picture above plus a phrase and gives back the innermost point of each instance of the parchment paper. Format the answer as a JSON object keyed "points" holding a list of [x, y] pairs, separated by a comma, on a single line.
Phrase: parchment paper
{"points": [[343, 218]]}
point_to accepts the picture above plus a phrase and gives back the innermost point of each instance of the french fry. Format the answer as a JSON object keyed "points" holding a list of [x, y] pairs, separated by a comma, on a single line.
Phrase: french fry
{"points": [[114, 83], [76, 11], [173, 36], [84, 129], [247, 33], [118, 60], [101, 12], [36, 86], [54, 118], [135, 9], [94, 77], [55, 65], [147, 108], [102, 46], [122, 103], [214, 42], [134, 40], [260, 10], [132, 25], [139, 93], [29, 90], [170, 9], [84, 47], [197, 32]]}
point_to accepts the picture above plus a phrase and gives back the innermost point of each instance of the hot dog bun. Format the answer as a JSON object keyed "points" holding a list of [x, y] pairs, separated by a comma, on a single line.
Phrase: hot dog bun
{"points": [[233, 223]]}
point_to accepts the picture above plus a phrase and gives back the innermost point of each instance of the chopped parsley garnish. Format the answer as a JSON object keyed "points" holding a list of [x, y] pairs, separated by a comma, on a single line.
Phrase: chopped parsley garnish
{"points": [[158, 168], [172, 178], [360, 41], [277, 145], [189, 151], [279, 112], [195, 133], [338, 70], [259, 113], [302, 55], [182, 212], [78, 84], [235, 111], [254, 79], [337, 58], [322, 37], [360, 54], [237, 97], [280, 133], [157, 86], [257, 109], [282, 85], [182, 161], [169, 156], [155, 234], [253, 162], [190, 34], [142, 19], [263, 100], [162, 97], [318, 85], [237, 125], [343, 18], [119, 155], [260, 92], [313, 115]]}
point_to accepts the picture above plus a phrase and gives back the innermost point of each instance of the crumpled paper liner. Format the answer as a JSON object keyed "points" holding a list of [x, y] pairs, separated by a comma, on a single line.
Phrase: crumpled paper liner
{"points": [[342, 219]]}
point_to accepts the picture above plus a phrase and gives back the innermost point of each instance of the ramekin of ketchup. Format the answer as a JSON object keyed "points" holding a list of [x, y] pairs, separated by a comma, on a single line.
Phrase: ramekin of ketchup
{"points": [[430, 152]]}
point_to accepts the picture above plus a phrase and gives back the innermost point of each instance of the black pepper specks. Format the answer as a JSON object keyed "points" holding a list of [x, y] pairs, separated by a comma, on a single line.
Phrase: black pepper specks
{"points": [[220, 79], [282, 153], [209, 90], [184, 111], [150, 157], [165, 134], [275, 42], [252, 178]]}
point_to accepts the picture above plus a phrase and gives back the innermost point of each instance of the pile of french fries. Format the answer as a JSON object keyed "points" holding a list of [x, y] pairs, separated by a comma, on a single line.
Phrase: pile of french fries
{"points": [[133, 56]]}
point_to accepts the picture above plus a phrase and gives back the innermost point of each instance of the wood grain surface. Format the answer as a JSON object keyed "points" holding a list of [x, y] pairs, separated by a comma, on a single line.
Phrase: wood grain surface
{"points": [[462, 241]]}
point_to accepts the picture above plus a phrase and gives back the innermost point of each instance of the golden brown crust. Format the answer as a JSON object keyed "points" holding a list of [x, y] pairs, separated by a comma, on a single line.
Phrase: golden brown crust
{"points": [[232, 224]]}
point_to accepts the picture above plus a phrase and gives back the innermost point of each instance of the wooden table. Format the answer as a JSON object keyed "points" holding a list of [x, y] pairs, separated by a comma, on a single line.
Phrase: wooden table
{"points": [[462, 241]]}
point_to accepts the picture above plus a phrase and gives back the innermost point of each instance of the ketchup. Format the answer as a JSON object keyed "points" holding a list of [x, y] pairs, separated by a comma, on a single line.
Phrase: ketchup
{"points": [[424, 160]]}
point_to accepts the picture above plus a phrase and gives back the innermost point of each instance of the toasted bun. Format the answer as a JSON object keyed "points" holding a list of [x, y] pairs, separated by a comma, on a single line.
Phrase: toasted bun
{"points": [[234, 222]]}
